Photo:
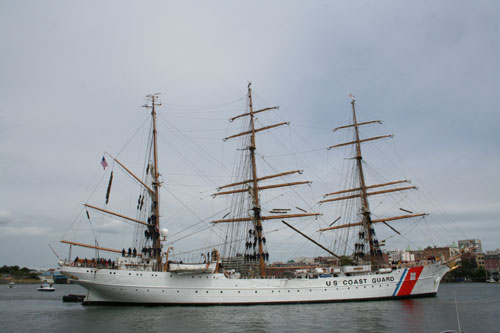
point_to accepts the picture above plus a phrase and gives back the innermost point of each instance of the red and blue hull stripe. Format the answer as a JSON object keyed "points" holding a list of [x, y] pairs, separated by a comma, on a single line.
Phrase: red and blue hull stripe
{"points": [[408, 281]]}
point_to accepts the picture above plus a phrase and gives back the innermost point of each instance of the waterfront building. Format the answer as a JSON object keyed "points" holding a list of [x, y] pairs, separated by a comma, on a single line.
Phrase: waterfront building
{"points": [[440, 253], [469, 243], [492, 261], [304, 260], [53, 276], [478, 258], [400, 256], [328, 261]]}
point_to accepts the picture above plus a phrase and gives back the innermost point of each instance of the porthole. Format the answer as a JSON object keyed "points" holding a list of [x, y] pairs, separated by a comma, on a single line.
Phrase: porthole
{"points": [[238, 291], [221, 291], [289, 290], [207, 291], [196, 291], [256, 291], [129, 273]]}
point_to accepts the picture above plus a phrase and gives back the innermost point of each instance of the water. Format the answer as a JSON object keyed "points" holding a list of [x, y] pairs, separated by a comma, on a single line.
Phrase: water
{"points": [[24, 309]]}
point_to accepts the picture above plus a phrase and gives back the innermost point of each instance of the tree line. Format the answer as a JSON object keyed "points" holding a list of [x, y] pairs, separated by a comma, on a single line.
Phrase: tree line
{"points": [[17, 272]]}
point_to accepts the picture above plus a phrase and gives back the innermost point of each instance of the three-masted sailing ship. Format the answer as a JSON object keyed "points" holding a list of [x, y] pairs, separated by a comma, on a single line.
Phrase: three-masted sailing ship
{"points": [[152, 277]]}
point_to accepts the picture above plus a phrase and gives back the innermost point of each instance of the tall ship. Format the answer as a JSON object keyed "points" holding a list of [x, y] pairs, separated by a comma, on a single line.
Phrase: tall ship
{"points": [[243, 275]]}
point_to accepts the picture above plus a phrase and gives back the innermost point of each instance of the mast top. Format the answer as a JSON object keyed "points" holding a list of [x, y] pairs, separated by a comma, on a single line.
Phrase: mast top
{"points": [[153, 98], [353, 99]]}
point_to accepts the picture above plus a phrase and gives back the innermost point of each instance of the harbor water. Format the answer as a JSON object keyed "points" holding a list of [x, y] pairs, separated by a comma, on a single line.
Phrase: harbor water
{"points": [[24, 309]]}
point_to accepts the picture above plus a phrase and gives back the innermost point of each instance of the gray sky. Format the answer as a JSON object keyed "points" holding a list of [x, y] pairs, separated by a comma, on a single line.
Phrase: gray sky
{"points": [[73, 77]]}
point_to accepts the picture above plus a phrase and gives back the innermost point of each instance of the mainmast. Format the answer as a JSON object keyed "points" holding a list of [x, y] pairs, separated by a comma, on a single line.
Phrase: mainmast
{"points": [[254, 189]]}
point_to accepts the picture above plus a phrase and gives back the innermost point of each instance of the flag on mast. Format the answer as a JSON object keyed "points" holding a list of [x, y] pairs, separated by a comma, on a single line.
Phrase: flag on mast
{"points": [[104, 163]]}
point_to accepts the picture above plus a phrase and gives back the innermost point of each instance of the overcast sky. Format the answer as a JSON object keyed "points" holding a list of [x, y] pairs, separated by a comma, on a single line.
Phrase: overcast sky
{"points": [[73, 76]]}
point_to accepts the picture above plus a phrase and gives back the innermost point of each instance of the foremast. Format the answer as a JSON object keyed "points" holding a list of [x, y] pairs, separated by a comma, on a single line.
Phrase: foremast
{"points": [[254, 189], [153, 98], [367, 239], [153, 222]]}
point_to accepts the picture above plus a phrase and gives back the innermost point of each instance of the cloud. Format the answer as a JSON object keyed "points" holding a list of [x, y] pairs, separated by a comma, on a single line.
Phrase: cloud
{"points": [[23, 231], [5, 216]]}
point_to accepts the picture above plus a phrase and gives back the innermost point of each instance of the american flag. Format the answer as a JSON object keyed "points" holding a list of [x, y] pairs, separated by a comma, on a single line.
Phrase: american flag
{"points": [[104, 163]]}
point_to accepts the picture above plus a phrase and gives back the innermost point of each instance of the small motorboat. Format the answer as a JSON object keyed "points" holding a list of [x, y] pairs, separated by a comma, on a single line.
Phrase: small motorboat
{"points": [[46, 287], [11, 284]]}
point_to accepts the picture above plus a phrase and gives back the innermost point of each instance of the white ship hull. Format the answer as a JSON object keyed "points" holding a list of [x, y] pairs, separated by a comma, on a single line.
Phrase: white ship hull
{"points": [[119, 286]]}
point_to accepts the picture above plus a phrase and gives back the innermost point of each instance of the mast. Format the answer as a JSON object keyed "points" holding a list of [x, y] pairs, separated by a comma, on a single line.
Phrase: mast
{"points": [[365, 207], [255, 237], [367, 235], [255, 189], [152, 223], [156, 183]]}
